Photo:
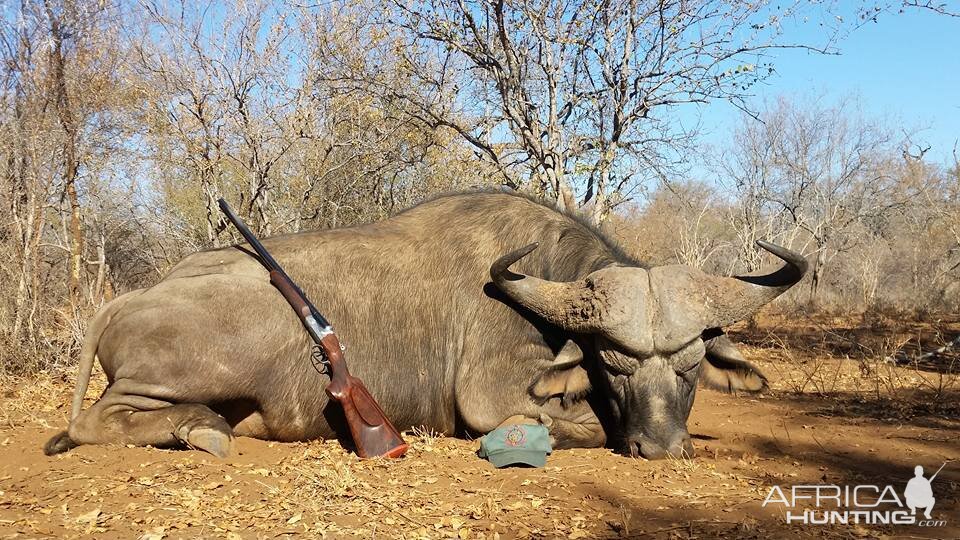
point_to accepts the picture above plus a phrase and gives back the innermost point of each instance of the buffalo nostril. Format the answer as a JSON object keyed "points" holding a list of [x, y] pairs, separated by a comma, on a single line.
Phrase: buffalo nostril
{"points": [[647, 448], [682, 448], [643, 447], [651, 450]]}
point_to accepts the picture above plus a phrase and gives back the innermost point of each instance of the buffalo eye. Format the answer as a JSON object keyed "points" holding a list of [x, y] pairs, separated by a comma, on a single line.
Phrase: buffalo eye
{"points": [[688, 368]]}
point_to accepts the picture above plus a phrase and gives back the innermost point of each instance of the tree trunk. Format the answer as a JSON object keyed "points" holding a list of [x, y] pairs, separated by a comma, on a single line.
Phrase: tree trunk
{"points": [[71, 163], [598, 212], [76, 236], [25, 224], [600, 209], [815, 276], [213, 213], [39, 223], [553, 168], [97, 294]]}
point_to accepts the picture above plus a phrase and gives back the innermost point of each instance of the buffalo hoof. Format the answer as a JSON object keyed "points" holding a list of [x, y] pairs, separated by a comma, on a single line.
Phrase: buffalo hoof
{"points": [[58, 444], [547, 422], [210, 440]]}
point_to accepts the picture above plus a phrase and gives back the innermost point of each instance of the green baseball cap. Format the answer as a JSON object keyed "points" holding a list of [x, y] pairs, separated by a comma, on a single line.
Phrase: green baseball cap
{"points": [[518, 444]]}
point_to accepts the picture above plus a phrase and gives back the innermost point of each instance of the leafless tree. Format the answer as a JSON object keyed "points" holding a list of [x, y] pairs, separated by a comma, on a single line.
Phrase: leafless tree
{"points": [[819, 172], [122, 123], [59, 69], [564, 97]]}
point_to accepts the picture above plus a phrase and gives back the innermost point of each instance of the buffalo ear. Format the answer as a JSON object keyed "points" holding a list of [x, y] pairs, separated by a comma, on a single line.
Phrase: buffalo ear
{"points": [[726, 370], [563, 377]]}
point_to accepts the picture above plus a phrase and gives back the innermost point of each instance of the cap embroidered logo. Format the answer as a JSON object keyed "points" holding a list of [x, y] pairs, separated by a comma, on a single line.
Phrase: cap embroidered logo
{"points": [[516, 436]]}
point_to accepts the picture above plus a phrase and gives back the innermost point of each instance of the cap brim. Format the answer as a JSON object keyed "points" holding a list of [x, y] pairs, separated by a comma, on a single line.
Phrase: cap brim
{"points": [[517, 457]]}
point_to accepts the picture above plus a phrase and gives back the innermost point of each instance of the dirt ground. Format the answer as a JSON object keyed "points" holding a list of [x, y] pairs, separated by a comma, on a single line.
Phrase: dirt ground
{"points": [[837, 414]]}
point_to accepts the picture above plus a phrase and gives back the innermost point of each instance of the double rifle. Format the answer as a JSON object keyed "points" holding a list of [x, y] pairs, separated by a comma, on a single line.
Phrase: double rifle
{"points": [[373, 434]]}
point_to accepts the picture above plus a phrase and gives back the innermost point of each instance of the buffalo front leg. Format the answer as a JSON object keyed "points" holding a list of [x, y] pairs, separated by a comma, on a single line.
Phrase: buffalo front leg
{"points": [[583, 432], [544, 391], [139, 420], [578, 433]]}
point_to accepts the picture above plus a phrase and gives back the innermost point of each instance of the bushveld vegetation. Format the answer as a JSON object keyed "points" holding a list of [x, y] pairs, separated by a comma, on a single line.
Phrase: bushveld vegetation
{"points": [[122, 123]]}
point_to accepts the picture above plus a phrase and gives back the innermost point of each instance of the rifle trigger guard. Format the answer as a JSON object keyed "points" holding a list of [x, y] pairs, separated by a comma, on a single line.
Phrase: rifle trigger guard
{"points": [[319, 360]]}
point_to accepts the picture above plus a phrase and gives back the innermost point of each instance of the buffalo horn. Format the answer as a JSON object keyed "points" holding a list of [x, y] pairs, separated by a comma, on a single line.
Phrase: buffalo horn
{"points": [[569, 305], [740, 297]]}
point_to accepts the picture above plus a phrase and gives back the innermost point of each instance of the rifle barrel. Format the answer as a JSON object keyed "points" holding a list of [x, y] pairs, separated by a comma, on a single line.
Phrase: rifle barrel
{"points": [[938, 472], [268, 261]]}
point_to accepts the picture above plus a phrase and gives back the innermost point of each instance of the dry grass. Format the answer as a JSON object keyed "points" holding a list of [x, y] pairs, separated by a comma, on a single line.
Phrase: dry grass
{"points": [[840, 356], [442, 490]]}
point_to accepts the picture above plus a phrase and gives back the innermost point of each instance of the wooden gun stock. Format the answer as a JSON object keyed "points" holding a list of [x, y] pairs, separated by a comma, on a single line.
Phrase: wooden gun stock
{"points": [[372, 432]]}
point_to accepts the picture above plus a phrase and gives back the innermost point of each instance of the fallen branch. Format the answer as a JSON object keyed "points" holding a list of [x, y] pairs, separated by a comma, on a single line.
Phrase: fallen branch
{"points": [[902, 357]]}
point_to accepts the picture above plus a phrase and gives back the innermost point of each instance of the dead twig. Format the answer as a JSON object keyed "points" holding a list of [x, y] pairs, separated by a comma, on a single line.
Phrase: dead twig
{"points": [[822, 447]]}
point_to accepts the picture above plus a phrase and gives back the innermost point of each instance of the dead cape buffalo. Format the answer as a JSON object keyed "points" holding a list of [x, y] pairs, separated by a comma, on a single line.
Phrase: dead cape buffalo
{"points": [[458, 314]]}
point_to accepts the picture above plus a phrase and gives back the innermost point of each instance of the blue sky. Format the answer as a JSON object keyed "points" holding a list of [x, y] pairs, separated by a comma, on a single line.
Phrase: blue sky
{"points": [[904, 69]]}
